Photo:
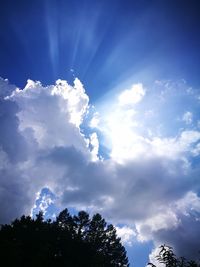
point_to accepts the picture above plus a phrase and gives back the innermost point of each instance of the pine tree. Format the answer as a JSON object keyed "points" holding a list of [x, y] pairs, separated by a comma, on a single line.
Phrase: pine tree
{"points": [[76, 241]]}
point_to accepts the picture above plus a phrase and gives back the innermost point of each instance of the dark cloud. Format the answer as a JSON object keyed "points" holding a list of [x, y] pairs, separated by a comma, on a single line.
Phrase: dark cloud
{"points": [[184, 238], [10, 139]]}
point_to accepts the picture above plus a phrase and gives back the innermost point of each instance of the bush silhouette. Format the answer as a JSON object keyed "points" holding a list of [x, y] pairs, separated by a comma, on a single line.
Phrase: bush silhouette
{"points": [[167, 257]]}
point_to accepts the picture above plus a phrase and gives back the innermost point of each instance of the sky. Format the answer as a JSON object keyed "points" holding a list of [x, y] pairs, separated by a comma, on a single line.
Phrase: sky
{"points": [[99, 110]]}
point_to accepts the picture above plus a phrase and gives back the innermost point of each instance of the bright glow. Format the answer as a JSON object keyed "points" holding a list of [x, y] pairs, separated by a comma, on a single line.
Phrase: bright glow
{"points": [[135, 125], [132, 96], [120, 125], [95, 120]]}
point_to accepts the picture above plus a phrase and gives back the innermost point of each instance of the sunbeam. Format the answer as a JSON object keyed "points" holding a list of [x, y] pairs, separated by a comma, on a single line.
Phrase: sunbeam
{"points": [[99, 110]]}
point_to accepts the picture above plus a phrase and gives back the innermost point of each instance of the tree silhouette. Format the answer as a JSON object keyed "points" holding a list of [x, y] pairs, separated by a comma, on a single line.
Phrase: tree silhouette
{"points": [[76, 241], [81, 223], [167, 257]]}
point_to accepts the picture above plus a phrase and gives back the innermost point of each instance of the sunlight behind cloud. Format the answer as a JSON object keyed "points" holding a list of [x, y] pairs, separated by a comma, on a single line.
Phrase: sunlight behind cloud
{"points": [[138, 122], [132, 96], [145, 154]]}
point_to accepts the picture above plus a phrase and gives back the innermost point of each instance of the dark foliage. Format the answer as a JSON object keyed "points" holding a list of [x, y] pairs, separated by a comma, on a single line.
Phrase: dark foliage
{"points": [[68, 241], [167, 257]]}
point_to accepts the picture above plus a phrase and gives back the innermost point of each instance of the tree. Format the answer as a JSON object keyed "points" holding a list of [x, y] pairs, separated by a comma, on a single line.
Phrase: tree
{"points": [[108, 248], [65, 222], [167, 257], [81, 223], [76, 241]]}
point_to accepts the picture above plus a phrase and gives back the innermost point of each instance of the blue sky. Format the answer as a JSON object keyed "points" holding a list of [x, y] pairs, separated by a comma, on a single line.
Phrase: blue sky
{"points": [[103, 41], [119, 133]]}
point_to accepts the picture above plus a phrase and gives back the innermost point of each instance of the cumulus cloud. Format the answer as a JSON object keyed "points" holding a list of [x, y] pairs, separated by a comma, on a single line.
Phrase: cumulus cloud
{"points": [[34, 121], [53, 114], [148, 180]]}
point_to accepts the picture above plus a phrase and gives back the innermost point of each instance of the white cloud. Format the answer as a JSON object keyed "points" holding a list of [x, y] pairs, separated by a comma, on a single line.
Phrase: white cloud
{"points": [[94, 142], [52, 114], [150, 127], [152, 257], [131, 96], [189, 137], [126, 234], [75, 98], [35, 121], [166, 219], [176, 146], [127, 144], [189, 203], [94, 123]]}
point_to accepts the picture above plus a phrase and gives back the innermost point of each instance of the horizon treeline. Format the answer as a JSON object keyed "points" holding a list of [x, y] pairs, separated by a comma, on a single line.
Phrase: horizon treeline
{"points": [[72, 241], [68, 241]]}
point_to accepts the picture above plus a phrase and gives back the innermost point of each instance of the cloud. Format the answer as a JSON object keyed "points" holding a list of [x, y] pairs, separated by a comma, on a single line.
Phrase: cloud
{"points": [[152, 126], [181, 230], [34, 121], [184, 237], [94, 142], [52, 114], [126, 234], [164, 220], [177, 146], [131, 96], [147, 181], [187, 117], [15, 195], [152, 257], [95, 120]]}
